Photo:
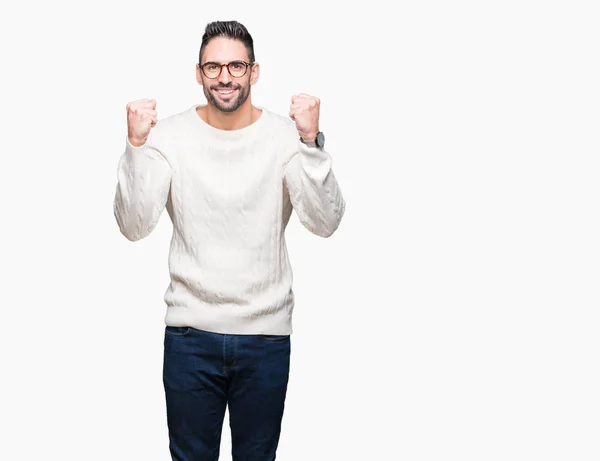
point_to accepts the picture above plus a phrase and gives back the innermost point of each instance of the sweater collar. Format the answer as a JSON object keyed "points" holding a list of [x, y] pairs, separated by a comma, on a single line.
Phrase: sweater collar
{"points": [[226, 135]]}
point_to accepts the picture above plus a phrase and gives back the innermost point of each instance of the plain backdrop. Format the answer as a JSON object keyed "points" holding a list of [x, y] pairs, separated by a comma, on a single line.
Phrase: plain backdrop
{"points": [[454, 315]]}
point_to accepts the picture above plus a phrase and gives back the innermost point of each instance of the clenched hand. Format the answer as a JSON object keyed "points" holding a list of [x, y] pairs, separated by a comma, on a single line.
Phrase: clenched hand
{"points": [[141, 117], [304, 110]]}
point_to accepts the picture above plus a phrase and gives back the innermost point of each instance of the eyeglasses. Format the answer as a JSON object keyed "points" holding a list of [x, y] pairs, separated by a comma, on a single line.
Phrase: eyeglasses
{"points": [[236, 69]]}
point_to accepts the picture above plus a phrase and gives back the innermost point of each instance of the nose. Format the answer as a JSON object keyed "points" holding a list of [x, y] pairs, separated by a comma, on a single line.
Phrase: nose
{"points": [[224, 77]]}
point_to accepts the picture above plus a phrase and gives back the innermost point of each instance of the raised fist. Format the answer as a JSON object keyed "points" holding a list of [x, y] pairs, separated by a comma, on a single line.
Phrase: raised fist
{"points": [[304, 110], [141, 117]]}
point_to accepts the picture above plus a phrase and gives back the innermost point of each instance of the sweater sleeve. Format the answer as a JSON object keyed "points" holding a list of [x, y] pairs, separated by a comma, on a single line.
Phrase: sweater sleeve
{"points": [[314, 191], [143, 184]]}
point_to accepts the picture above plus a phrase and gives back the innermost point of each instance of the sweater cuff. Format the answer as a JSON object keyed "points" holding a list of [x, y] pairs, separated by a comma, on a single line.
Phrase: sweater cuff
{"points": [[134, 155], [131, 148], [316, 161]]}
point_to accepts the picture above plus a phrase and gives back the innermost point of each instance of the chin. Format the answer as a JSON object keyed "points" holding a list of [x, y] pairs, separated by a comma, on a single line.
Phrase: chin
{"points": [[230, 106], [227, 108]]}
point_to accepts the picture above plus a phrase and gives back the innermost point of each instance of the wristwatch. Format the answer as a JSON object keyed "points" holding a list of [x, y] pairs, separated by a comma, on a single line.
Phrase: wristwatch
{"points": [[318, 142]]}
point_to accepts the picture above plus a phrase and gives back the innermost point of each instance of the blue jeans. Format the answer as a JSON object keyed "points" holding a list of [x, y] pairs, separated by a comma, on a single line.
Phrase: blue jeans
{"points": [[204, 372]]}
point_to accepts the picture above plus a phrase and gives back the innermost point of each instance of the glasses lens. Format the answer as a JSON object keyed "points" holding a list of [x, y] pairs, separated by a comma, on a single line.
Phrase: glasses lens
{"points": [[211, 70], [237, 68]]}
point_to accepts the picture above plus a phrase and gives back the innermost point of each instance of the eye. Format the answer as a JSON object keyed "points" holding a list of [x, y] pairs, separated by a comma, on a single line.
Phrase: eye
{"points": [[237, 65], [211, 66]]}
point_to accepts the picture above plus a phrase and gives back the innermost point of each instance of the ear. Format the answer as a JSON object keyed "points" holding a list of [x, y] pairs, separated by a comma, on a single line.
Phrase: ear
{"points": [[254, 73], [199, 75]]}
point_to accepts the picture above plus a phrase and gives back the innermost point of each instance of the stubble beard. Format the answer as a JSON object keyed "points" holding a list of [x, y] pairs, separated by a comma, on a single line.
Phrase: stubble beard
{"points": [[231, 106]]}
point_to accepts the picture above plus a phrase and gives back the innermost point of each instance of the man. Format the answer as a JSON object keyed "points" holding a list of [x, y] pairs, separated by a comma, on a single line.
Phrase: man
{"points": [[229, 175]]}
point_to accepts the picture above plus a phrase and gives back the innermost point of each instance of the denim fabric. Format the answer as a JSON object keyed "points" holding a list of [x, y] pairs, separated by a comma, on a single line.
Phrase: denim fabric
{"points": [[204, 372]]}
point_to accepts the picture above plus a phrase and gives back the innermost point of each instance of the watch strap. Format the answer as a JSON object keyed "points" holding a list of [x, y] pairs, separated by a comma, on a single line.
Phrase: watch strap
{"points": [[309, 143], [313, 143]]}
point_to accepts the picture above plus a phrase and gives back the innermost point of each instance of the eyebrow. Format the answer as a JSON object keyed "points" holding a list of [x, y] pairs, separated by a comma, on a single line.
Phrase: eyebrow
{"points": [[218, 62]]}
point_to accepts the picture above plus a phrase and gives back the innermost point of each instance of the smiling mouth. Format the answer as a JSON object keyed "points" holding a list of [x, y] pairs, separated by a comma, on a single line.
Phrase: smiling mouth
{"points": [[225, 91]]}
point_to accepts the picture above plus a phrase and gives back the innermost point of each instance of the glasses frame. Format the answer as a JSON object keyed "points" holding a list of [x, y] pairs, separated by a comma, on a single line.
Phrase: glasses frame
{"points": [[238, 61]]}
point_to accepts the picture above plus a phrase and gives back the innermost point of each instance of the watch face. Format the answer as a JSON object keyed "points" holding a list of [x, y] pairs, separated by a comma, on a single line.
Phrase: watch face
{"points": [[320, 139]]}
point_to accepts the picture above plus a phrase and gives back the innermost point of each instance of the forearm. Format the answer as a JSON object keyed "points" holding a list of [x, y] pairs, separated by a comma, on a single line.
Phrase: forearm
{"points": [[143, 182], [314, 190]]}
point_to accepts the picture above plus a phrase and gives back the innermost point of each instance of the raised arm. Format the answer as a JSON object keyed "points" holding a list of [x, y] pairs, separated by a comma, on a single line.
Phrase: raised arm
{"points": [[314, 191], [143, 175]]}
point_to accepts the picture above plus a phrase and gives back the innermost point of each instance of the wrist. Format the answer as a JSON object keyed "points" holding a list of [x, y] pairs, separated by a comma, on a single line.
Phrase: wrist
{"points": [[310, 137], [317, 140], [136, 142]]}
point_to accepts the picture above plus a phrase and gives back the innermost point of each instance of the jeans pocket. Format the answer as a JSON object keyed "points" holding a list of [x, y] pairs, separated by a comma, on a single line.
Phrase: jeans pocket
{"points": [[177, 331]]}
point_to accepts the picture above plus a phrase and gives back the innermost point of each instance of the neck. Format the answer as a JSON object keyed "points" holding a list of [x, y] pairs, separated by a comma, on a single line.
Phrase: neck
{"points": [[244, 116]]}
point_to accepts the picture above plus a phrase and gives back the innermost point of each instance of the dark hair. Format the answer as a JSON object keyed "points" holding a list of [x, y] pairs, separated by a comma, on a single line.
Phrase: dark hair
{"points": [[230, 29]]}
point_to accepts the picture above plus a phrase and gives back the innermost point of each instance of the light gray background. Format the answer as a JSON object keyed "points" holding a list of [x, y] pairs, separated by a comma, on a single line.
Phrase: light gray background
{"points": [[454, 315]]}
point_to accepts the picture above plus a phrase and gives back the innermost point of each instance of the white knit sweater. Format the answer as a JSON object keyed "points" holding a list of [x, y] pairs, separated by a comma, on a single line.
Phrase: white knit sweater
{"points": [[230, 195]]}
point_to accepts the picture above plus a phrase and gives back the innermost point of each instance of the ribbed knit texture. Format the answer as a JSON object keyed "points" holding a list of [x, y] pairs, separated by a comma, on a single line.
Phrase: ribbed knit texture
{"points": [[230, 195]]}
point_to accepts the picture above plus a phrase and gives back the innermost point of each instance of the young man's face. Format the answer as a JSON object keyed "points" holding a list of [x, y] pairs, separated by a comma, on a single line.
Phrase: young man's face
{"points": [[228, 90]]}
